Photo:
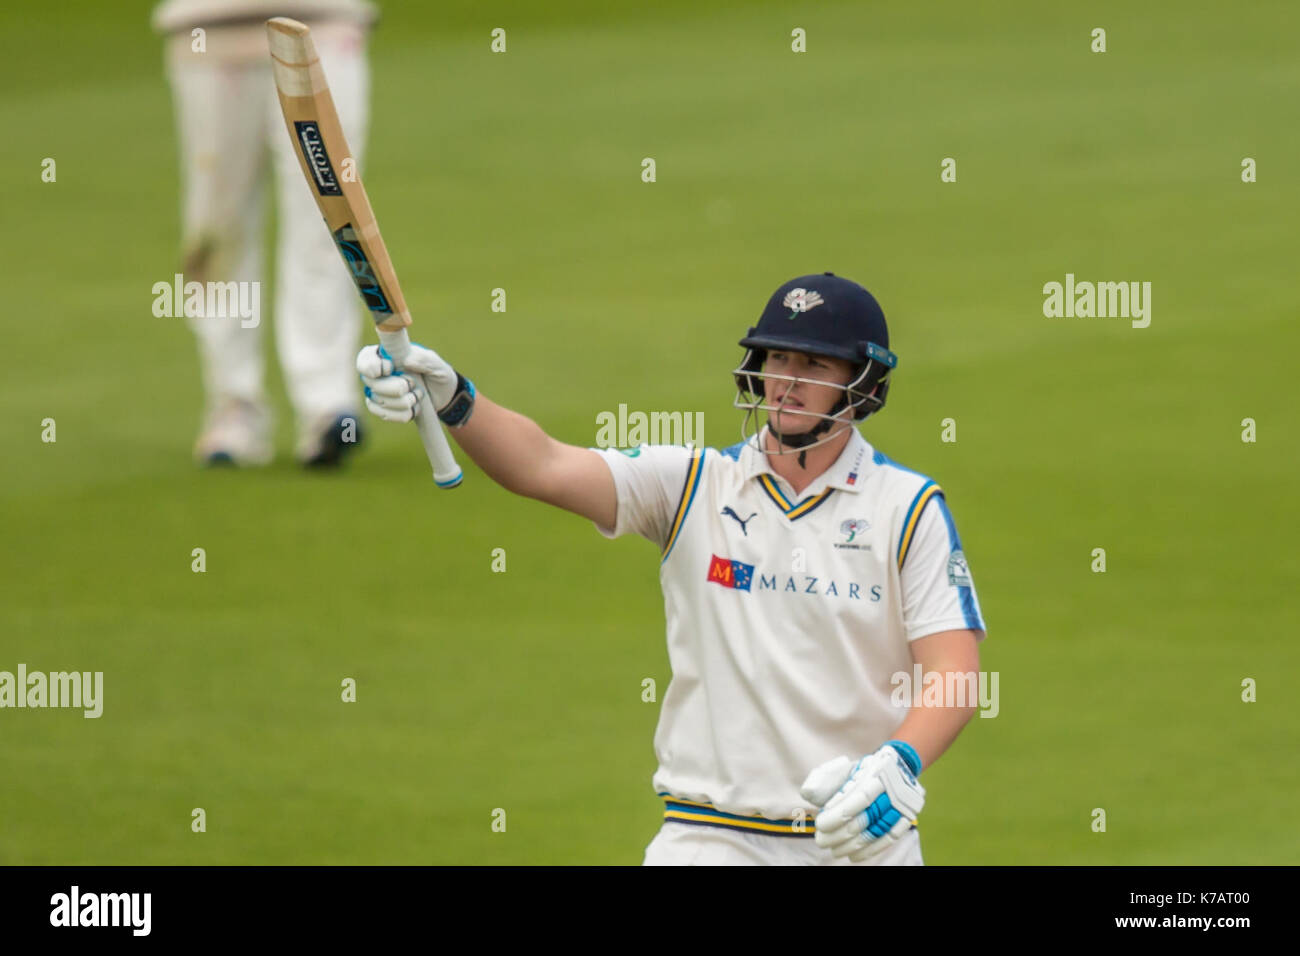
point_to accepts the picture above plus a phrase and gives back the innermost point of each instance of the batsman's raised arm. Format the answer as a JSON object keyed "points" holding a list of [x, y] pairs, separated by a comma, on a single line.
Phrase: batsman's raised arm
{"points": [[511, 449]]}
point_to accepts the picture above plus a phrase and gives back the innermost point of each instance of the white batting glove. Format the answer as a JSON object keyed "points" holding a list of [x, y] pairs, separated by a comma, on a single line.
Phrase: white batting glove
{"points": [[394, 395], [866, 806]]}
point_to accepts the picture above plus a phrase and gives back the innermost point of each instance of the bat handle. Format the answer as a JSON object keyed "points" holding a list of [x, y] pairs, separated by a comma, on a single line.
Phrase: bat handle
{"points": [[446, 473]]}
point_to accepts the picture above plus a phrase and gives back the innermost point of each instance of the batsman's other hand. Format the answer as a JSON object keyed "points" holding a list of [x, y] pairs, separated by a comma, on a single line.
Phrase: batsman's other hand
{"points": [[866, 806], [394, 394]]}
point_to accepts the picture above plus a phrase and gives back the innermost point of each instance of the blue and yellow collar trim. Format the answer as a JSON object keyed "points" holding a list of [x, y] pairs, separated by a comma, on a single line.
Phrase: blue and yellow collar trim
{"points": [[707, 815], [792, 510]]}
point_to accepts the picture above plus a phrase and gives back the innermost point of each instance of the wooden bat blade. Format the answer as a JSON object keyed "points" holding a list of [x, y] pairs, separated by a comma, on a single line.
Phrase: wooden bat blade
{"points": [[318, 141], [330, 169]]}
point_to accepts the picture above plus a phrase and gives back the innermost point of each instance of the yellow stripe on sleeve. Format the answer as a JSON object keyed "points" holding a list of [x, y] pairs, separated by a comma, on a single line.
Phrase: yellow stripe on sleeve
{"points": [[688, 495], [914, 518]]}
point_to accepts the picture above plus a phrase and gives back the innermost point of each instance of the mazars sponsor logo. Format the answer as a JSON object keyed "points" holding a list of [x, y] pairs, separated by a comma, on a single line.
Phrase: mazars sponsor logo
{"points": [[731, 574], [741, 577], [76, 908]]}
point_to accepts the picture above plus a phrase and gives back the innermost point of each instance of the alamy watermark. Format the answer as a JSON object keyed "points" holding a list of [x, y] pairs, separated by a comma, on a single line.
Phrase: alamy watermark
{"points": [[1085, 300], [209, 300], [76, 689], [922, 688], [129, 910], [624, 429]]}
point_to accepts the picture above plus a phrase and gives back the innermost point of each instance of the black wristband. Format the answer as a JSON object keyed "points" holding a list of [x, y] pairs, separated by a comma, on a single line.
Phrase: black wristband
{"points": [[458, 410]]}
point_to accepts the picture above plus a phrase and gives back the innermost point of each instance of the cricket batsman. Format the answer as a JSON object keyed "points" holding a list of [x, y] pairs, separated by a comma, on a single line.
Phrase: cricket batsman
{"points": [[802, 571]]}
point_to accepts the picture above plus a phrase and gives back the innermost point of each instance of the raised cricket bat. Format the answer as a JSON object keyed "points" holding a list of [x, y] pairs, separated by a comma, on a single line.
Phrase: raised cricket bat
{"points": [[317, 135]]}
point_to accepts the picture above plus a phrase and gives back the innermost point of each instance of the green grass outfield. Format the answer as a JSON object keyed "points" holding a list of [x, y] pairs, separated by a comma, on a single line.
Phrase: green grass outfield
{"points": [[522, 690]]}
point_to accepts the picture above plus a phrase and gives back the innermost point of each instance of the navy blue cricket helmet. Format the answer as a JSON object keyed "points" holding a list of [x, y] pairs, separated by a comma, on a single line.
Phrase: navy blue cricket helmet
{"points": [[823, 314]]}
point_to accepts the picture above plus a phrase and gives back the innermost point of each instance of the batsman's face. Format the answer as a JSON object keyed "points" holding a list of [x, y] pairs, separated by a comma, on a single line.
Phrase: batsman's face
{"points": [[803, 400]]}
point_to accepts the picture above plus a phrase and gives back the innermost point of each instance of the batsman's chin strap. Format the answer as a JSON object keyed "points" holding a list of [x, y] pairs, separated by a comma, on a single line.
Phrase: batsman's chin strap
{"points": [[810, 436]]}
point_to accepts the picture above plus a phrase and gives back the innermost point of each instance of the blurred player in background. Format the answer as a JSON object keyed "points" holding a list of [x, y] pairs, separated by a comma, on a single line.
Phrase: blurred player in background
{"points": [[231, 134], [802, 571]]}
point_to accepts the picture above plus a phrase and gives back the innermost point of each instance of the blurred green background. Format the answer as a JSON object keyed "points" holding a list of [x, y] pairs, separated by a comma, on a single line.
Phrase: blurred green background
{"points": [[522, 690]]}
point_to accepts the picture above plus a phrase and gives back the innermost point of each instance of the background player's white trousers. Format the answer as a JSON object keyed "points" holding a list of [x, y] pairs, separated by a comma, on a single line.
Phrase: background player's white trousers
{"points": [[229, 119], [682, 844]]}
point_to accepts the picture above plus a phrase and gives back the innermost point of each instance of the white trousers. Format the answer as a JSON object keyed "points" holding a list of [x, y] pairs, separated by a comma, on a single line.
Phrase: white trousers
{"points": [[232, 134], [684, 844]]}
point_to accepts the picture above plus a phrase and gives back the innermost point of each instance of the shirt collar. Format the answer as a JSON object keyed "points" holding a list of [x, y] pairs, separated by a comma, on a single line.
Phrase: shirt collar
{"points": [[846, 473]]}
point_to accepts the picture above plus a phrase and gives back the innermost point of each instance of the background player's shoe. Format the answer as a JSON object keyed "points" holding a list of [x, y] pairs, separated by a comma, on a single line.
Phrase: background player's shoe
{"points": [[327, 440], [236, 432]]}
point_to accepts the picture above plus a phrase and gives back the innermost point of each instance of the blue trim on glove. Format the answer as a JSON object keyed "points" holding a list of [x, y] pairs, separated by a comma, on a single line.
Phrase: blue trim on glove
{"points": [[909, 755], [457, 411], [881, 817]]}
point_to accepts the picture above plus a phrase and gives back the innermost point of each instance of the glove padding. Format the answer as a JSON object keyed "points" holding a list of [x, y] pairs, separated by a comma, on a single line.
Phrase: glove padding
{"points": [[866, 806], [394, 395]]}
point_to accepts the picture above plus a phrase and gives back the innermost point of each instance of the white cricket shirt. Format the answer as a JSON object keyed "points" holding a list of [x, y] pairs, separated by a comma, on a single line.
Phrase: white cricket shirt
{"points": [[786, 618]]}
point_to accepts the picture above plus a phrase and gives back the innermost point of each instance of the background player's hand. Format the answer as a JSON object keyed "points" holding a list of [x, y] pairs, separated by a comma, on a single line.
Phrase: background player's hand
{"points": [[874, 804], [393, 394]]}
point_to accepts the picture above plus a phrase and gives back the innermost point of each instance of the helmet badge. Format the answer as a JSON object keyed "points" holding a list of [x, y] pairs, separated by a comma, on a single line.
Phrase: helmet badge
{"points": [[801, 300]]}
